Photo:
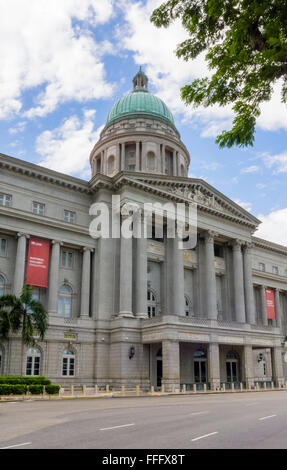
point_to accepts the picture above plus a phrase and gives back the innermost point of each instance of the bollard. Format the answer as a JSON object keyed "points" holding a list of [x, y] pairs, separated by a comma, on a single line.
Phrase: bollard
{"points": [[152, 389], [194, 388], [257, 386], [173, 388], [265, 386], [272, 385], [232, 387], [123, 390], [204, 387], [72, 390], [241, 386], [184, 388], [285, 384], [84, 390], [223, 387], [137, 390], [96, 389], [162, 388], [107, 388]]}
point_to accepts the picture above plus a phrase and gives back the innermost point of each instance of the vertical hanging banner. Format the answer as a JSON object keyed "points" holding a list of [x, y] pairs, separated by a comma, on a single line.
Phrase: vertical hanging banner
{"points": [[38, 263], [270, 302]]}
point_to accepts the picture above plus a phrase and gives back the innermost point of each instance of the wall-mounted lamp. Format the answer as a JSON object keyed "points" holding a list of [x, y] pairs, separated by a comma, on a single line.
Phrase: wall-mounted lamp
{"points": [[131, 352]]}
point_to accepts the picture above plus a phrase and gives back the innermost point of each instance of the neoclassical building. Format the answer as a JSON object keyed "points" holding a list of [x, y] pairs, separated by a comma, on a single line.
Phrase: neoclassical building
{"points": [[127, 311]]}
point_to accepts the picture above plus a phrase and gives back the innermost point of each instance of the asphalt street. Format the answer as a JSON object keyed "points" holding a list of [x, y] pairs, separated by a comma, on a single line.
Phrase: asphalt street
{"points": [[256, 420]]}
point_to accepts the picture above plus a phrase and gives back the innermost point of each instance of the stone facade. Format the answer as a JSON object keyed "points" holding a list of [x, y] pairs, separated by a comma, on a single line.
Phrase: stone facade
{"points": [[140, 311]]}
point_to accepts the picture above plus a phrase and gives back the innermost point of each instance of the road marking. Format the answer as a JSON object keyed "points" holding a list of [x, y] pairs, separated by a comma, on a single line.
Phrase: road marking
{"points": [[199, 413], [202, 437], [267, 417], [17, 445], [116, 427]]}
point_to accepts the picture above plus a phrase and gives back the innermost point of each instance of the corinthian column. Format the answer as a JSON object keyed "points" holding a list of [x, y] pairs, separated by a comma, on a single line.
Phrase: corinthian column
{"points": [[210, 276], [141, 268], [238, 282], [19, 276], [126, 263], [54, 277], [248, 284], [263, 305], [86, 280], [178, 278]]}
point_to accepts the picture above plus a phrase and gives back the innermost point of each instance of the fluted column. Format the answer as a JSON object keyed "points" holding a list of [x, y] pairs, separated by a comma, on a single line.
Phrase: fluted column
{"points": [[210, 276], [141, 268], [86, 282], [118, 168], [19, 276], [239, 300], [178, 278], [248, 284], [163, 159], [263, 305], [278, 309], [54, 277], [126, 263]]}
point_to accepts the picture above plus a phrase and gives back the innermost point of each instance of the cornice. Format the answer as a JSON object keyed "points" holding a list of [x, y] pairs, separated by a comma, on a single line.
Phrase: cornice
{"points": [[270, 246], [43, 174]]}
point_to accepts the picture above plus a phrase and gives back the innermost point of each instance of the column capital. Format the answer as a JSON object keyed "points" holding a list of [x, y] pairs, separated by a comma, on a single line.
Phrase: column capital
{"points": [[21, 234], [237, 244], [248, 246], [55, 242], [88, 248], [209, 236]]}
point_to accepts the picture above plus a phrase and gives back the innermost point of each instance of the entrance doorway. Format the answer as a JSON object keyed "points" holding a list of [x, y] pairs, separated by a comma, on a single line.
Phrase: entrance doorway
{"points": [[159, 368], [232, 367], [200, 366]]}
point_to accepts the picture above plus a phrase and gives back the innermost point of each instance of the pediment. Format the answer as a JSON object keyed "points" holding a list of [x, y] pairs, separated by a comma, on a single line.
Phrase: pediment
{"points": [[198, 191]]}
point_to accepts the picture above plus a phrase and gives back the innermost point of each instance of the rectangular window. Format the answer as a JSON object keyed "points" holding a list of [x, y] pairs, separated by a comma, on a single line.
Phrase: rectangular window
{"points": [[67, 259], [218, 251], [5, 200], [3, 247], [261, 267], [69, 217], [275, 270], [38, 208]]}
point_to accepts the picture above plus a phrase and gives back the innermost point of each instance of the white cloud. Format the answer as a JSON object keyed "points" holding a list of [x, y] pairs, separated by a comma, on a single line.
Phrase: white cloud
{"points": [[67, 148], [273, 227], [40, 46], [245, 205], [278, 161], [251, 169]]}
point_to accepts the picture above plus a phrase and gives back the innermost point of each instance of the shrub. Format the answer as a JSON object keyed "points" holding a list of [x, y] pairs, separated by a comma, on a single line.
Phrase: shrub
{"points": [[36, 389], [17, 380], [9, 389], [52, 389]]}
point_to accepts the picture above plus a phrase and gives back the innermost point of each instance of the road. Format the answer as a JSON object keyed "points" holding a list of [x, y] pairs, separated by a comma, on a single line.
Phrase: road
{"points": [[254, 420]]}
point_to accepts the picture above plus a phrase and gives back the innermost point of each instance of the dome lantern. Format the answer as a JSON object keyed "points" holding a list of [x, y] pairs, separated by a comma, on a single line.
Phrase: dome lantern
{"points": [[140, 81]]}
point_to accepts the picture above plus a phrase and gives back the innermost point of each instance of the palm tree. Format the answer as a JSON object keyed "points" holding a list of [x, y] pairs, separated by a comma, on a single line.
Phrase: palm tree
{"points": [[23, 313]]}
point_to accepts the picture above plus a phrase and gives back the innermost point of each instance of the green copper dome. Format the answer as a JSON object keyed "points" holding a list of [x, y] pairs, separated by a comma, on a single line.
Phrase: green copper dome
{"points": [[140, 103]]}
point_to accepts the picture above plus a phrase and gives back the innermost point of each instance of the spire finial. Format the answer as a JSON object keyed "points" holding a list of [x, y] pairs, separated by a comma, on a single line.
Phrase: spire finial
{"points": [[140, 81]]}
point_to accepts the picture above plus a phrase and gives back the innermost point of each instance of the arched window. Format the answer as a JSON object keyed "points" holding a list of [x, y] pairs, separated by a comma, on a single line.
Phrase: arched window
{"points": [[111, 164], [151, 161], [65, 301], [68, 367], [151, 304], [2, 285], [33, 362]]}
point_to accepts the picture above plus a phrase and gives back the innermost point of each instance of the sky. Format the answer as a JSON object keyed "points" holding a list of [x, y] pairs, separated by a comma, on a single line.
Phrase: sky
{"points": [[65, 63]]}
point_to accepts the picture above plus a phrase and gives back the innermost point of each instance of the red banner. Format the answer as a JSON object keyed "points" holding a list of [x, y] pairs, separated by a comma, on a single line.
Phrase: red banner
{"points": [[38, 263], [270, 302]]}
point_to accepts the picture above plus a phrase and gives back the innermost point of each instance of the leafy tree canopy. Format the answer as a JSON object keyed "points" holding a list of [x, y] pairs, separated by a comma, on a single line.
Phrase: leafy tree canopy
{"points": [[246, 45]]}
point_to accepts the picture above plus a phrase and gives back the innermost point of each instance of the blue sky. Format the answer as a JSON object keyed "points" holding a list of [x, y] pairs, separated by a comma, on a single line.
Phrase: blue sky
{"points": [[64, 64]]}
